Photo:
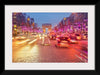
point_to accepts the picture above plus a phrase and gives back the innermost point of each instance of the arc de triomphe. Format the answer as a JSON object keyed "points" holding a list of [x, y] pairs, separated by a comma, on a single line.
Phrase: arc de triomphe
{"points": [[46, 25]]}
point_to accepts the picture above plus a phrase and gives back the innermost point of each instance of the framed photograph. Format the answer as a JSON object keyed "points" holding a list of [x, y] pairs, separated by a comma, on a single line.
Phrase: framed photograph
{"points": [[51, 37]]}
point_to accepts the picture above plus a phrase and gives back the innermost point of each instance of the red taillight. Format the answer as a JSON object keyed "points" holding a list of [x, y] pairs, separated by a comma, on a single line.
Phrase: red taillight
{"points": [[68, 39], [78, 38], [58, 44]]}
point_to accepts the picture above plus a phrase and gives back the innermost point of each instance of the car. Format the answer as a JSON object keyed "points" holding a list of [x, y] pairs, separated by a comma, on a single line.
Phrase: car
{"points": [[52, 35], [77, 36], [34, 35], [58, 36], [72, 36], [62, 42], [71, 41], [84, 36]]}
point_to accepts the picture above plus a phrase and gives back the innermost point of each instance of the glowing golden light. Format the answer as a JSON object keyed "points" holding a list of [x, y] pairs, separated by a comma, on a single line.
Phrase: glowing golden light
{"points": [[23, 41], [32, 41], [12, 37], [64, 18], [15, 25], [78, 37], [28, 19], [14, 13], [15, 29], [17, 37], [23, 37]]}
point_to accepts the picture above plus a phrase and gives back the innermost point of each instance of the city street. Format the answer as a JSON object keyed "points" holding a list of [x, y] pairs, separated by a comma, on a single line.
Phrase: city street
{"points": [[32, 51], [50, 37]]}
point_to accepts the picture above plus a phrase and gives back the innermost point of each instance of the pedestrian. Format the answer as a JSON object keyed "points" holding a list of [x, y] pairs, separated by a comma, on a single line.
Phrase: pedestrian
{"points": [[45, 40]]}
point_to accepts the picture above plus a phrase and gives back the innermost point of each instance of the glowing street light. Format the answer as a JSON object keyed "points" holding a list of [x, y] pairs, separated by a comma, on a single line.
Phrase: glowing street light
{"points": [[28, 19], [15, 13], [15, 26], [15, 29], [64, 18]]}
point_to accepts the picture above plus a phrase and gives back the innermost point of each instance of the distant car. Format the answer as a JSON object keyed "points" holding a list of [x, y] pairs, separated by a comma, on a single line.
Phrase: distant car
{"points": [[72, 36], [85, 36], [52, 37], [58, 35], [34, 35], [77, 36]]}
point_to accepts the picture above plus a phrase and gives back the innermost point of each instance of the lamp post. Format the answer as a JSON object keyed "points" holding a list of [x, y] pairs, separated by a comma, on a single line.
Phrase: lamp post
{"points": [[28, 19], [33, 26], [64, 23], [15, 30]]}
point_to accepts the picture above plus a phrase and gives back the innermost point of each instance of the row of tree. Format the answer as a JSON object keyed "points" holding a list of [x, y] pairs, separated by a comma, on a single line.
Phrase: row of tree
{"points": [[74, 18], [21, 19]]}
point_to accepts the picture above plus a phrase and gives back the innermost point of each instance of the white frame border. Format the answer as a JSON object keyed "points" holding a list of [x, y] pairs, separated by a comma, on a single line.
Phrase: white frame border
{"points": [[49, 66]]}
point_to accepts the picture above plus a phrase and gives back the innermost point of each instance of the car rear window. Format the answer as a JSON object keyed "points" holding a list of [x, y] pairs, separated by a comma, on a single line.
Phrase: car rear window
{"points": [[63, 38], [77, 34]]}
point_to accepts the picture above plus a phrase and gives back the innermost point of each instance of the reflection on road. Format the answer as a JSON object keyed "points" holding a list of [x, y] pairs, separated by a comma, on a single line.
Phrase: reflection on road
{"points": [[32, 51]]}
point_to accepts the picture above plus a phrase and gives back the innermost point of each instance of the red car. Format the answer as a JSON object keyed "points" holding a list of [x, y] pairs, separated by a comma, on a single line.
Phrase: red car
{"points": [[62, 42]]}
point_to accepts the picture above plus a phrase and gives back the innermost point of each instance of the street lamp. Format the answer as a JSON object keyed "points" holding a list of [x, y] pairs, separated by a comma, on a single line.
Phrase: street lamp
{"points": [[28, 19], [15, 26], [64, 18], [65, 24], [15, 30]]}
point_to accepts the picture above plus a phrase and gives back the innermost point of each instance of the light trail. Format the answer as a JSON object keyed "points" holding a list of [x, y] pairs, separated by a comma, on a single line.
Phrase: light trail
{"points": [[23, 41], [12, 38], [32, 41], [84, 54]]}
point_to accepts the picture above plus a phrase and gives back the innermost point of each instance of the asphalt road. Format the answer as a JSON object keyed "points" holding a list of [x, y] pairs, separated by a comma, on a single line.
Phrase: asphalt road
{"points": [[32, 51]]}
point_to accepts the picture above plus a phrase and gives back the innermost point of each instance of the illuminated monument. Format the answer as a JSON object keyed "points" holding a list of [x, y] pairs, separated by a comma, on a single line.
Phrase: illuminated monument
{"points": [[45, 26]]}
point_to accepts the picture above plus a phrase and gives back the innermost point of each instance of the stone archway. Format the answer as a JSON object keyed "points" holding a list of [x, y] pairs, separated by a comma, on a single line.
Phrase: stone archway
{"points": [[44, 26]]}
